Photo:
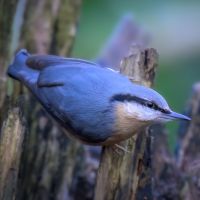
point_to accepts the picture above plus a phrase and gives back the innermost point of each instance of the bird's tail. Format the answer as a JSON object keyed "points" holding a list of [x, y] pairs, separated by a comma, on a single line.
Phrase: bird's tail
{"points": [[20, 71]]}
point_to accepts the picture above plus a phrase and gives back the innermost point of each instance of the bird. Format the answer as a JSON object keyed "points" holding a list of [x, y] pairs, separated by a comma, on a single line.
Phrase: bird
{"points": [[91, 103]]}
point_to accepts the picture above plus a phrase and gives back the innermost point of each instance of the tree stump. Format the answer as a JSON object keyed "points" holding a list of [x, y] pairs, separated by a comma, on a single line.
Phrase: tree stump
{"points": [[128, 176]]}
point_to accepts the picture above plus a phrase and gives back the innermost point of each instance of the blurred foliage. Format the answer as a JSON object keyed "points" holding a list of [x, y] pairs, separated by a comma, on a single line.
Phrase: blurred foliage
{"points": [[178, 42]]}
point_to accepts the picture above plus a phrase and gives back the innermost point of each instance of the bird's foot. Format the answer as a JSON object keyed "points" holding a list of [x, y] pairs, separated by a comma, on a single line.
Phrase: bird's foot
{"points": [[119, 147]]}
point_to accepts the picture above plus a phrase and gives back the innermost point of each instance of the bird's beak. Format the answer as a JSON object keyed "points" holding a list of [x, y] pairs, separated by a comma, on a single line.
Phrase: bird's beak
{"points": [[173, 115]]}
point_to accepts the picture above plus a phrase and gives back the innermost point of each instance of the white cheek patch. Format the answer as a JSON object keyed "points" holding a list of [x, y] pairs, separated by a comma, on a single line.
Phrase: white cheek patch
{"points": [[141, 112]]}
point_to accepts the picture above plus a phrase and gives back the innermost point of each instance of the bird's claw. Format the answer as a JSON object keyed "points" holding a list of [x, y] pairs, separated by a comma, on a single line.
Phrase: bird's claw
{"points": [[119, 147]]}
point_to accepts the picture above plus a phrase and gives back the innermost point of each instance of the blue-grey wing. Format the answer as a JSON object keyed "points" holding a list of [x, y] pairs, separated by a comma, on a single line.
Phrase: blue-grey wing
{"points": [[53, 76], [80, 102], [40, 62]]}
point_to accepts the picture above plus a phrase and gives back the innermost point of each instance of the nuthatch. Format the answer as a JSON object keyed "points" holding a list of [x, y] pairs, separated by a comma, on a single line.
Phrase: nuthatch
{"points": [[94, 104]]}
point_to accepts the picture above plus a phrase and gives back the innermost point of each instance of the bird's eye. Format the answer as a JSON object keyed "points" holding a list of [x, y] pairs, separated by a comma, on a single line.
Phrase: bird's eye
{"points": [[150, 104], [165, 111]]}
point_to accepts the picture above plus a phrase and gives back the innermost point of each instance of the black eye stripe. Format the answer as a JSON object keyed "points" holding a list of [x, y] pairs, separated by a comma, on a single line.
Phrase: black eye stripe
{"points": [[128, 97]]}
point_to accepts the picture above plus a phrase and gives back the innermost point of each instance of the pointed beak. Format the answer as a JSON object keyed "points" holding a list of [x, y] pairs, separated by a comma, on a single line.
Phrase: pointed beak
{"points": [[173, 115]]}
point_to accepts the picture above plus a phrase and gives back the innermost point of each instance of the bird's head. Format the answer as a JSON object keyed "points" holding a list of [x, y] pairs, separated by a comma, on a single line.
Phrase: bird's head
{"points": [[145, 104]]}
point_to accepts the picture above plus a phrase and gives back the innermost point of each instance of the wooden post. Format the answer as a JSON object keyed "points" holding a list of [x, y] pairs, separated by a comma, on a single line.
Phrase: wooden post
{"points": [[12, 128], [47, 161], [124, 176], [7, 14], [11, 138], [188, 148], [189, 136], [49, 157], [177, 176]]}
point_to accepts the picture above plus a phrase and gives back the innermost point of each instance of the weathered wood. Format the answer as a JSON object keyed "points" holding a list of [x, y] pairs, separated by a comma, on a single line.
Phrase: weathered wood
{"points": [[165, 174], [188, 159], [38, 27], [11, 121], [6, 21], [124, 176], [188, 134], [49, 158], [176, 176], [65, 27], [11, 139]]}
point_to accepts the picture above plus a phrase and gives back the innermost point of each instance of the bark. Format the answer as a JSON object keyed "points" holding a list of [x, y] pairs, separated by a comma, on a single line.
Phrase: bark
{"points": [[65, 27], [11, 139], [176, 175], [188, 151], [49, 158], [12, 125], [166, 176], [188, 132], [127, 176], [6, 19]]}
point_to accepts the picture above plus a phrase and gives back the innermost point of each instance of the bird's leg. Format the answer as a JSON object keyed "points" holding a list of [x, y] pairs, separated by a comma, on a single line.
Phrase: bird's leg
{"points": [[122, 148]]}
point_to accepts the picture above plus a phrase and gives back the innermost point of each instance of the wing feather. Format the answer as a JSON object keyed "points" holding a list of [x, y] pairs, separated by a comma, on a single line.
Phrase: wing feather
{"points": [[52, 68], [40, 62]]}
